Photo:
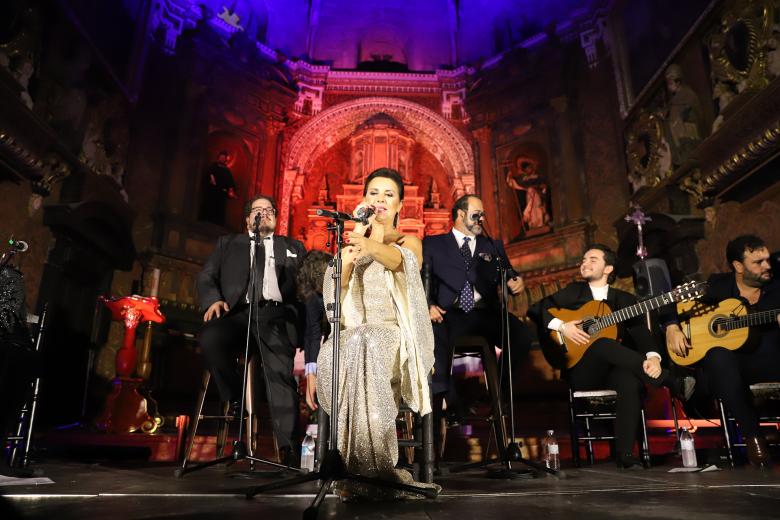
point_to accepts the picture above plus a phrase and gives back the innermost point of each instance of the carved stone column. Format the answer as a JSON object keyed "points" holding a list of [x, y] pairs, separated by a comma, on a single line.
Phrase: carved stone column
{"points": [[285, 196], [270, 160], [486, 185], [569, 195]]}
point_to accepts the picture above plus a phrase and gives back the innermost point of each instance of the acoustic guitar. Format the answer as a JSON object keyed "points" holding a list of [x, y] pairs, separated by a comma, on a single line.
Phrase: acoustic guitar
{"points": [[599, 321], [726, 324]]}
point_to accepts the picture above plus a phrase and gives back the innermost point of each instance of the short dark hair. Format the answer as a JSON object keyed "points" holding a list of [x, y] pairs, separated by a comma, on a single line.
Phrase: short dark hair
{"points": [[610, 258], [248, 205], [387, 173], [311, 274], [735, 250], [461, 203]]}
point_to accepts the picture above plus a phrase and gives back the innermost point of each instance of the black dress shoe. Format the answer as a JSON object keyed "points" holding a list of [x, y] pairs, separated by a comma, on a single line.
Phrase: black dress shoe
{"points": [[453, 419]]}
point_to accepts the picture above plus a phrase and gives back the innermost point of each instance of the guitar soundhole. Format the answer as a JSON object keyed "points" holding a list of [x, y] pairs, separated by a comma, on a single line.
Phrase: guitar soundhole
{"points": [[717, 326], [589, 325]]}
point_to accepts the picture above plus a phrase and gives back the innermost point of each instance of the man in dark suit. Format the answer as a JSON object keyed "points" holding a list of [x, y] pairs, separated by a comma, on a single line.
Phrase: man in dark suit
{"points": [[625, 365], [728, 373], [223, 295], [460, 270]]}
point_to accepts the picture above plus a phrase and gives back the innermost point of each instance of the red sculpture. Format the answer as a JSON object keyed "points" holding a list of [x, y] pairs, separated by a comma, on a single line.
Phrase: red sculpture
{"points": [[126, 410]]}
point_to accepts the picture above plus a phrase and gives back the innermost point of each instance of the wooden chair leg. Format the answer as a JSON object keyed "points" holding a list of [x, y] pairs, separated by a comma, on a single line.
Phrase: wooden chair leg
{"points": [[491, 375], [195, 420], [589, 442], [574, 432], [409, 435]]}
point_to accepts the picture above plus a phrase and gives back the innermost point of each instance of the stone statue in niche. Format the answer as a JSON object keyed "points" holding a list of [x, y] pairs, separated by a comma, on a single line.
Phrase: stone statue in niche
{"points": [[532, 193], [683, 115], [218, 187], [357, 169], [106, 137], [19, 46], [773, 52]]}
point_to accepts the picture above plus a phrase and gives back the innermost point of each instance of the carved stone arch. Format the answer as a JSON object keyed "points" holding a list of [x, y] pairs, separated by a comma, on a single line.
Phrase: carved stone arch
{"points": [[431, 130]]}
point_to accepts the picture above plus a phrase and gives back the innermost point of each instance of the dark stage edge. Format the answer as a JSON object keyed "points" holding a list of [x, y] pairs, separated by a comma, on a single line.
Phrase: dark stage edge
{"points": [[600, 492]]}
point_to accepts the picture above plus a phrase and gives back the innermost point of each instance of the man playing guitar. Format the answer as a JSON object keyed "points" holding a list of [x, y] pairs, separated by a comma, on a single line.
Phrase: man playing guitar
{"points": [[609, 364], [730, 372]]}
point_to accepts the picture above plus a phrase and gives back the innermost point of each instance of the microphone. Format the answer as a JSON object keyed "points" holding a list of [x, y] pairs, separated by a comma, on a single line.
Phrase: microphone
{"points": [[364, 212], [338, 215], [19, 245]]}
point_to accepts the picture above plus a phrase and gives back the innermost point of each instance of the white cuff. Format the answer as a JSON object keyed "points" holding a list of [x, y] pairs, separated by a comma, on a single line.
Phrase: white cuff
{"points": [[653, 355], [311, 368], [555, 324]]}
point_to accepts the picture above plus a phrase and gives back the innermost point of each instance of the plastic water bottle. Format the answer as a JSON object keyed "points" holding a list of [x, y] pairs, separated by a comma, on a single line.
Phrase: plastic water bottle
{"points": [[550, 453], [307, 453], [687, 449]]}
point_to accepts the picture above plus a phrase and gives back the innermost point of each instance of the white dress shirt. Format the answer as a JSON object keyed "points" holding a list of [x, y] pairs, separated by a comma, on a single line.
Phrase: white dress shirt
{"points": [[270, 283], [459, 237], [599, 294]]}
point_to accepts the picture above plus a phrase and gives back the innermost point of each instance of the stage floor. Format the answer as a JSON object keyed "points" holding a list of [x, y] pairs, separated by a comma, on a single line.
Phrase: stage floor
{"points": [[135, 491]]}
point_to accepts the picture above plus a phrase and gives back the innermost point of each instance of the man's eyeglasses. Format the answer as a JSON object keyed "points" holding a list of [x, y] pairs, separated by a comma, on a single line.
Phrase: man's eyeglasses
{"points": [[477, 215], [265, 212]]}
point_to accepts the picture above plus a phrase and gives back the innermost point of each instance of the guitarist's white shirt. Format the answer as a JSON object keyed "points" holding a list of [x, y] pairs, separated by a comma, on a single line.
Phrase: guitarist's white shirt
{"points": [[599, 294]]}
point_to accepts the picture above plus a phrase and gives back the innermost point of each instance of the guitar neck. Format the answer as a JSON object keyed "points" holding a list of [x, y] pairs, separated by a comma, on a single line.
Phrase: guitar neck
{"points": [[637, 309], [750, 320]]}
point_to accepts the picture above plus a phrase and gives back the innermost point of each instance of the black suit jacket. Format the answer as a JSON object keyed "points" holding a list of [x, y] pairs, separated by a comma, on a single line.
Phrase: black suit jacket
{"points": [[633, 333], [225, 275], [444, 270]]}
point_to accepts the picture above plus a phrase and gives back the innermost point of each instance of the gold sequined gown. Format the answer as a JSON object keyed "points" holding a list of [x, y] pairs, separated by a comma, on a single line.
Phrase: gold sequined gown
{"points": [[386, 355]]}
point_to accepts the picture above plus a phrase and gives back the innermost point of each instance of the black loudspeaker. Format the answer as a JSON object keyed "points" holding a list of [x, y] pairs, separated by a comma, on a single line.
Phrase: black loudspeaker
{"points": [[651, 278]]}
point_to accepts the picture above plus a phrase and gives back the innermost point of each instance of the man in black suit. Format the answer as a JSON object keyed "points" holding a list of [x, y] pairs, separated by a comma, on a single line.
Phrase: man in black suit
{"points": [[728, 373], [625, 365], [460, 271], [223, 295]]}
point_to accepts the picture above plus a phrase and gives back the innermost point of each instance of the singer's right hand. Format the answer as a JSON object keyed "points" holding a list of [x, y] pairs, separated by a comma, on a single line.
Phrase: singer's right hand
{"points": [[350, 254], [436, 313], [215, 310]]}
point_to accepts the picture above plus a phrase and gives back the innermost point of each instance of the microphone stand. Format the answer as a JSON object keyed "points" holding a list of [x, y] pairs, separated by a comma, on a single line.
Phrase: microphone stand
{"points": [[332, 467], [240, 451], [511, 453]]}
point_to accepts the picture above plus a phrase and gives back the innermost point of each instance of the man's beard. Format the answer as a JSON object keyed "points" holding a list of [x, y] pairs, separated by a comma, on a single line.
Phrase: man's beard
{"points": [[266, 229], [474, 228], [755, 280]]}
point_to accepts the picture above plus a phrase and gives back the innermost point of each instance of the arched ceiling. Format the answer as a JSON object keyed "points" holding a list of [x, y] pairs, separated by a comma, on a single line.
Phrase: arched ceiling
{"points": [[420, 35]]}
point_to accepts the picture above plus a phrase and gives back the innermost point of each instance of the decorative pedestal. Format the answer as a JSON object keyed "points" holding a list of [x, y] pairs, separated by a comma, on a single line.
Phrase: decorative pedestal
{"points": [[125, 408]]}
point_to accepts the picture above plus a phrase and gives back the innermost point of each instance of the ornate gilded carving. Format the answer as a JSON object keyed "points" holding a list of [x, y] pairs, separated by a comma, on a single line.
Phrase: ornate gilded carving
{"points": [[693, 185], [758, 149], [647, 151], [743, 50]]}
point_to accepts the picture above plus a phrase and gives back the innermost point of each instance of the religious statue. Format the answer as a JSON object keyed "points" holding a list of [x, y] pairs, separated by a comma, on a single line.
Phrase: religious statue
{"points": [[218, 187], [532, 193], [684, 114]]}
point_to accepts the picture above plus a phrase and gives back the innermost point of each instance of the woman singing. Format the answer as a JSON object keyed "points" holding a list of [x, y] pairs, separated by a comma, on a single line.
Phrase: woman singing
{"points": [[386, 351]]}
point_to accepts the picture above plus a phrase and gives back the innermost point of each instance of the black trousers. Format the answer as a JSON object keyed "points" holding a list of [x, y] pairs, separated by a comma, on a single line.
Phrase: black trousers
{"points": [[223, 340], [610, 365], [728, 374], [482, 322]]}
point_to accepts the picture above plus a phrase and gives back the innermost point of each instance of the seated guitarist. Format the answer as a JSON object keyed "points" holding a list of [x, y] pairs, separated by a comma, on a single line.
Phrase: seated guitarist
{"points": [[728, 373], [625, 365]]}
